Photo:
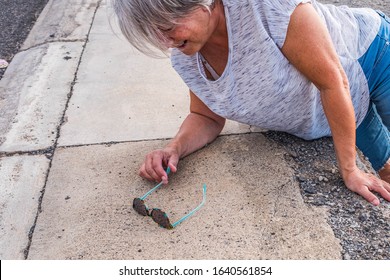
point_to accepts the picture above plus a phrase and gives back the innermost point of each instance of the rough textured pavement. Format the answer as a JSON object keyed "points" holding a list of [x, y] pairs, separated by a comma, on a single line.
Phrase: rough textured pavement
{"points": [[79, 110]]}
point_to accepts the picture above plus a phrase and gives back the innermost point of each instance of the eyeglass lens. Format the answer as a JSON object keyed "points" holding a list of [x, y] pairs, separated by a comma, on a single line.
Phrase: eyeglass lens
{"points": [[161, 218], [140, 207]]}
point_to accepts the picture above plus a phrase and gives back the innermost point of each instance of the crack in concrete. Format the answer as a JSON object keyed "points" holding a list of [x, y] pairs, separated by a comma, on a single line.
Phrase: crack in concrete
{"points": [[47, 152], [54, 41], [52, 149]]}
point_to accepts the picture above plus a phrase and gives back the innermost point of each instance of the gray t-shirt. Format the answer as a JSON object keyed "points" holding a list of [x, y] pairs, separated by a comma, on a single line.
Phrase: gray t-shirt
{"points": [[259, 86]]}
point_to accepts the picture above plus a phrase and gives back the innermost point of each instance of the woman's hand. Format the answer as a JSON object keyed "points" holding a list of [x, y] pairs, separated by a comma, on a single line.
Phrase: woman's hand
{"points": [[365, 184], [200, 128], [153, 168]]}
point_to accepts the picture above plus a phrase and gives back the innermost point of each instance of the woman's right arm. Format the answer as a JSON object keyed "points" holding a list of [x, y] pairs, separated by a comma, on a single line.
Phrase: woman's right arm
{"points": [[200, 128]]}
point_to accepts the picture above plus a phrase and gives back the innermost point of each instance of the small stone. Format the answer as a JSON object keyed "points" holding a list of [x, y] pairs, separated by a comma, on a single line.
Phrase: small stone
{"points": [[363, 217], [301, 179], [323, 179], [293, 154], [3, 64], [310, 190], [319, 202], [347, 256]]}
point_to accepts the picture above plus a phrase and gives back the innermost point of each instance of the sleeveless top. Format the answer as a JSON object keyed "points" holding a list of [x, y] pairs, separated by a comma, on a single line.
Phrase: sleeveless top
{"points": [[259, 86]]}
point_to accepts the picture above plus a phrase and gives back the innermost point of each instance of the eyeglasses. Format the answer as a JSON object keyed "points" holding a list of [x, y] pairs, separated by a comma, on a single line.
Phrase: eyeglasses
{"points": [[159, 216]]}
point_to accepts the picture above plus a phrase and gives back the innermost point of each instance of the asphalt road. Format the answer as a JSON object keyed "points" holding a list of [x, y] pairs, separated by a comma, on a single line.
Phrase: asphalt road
{"points": [[17, 17]]}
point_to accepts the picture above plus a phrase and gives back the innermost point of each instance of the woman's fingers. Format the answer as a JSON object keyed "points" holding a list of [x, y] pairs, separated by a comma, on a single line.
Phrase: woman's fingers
{"points": [[368, 195], [381, 187], [366, 184], [153, 168], [147, 173], [173, 161]]}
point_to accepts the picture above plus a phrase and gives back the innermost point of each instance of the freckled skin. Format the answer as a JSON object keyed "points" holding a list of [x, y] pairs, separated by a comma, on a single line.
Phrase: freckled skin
{"points": [[196, 30]]}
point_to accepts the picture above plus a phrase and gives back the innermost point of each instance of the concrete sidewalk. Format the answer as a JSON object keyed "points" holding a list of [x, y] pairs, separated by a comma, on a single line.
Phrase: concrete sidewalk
{"points": [[80, 109]]}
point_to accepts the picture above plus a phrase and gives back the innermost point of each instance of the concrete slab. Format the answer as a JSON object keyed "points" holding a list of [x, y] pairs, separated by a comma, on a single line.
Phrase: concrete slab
{"points": [[22, 179], [33, 95], [68, 20], [118, 97], [250, 213]]}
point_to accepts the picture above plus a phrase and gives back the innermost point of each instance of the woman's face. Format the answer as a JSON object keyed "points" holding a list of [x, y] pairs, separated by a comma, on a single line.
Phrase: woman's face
{"points": [[192, 32]]}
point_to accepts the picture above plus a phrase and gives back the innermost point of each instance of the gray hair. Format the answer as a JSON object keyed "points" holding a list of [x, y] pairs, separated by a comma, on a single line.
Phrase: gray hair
{"points": [[142, 21]]}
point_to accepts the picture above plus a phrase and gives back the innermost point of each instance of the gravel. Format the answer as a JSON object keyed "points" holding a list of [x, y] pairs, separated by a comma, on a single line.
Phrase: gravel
{"points": [[363, 229]]}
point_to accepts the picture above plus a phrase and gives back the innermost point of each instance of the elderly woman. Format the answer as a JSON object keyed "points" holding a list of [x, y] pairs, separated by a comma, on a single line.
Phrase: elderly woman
{"points": [[297, 66]]}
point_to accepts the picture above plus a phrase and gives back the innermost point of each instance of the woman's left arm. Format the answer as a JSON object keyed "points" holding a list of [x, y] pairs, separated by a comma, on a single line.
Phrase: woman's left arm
{"points": [[309, 48]]}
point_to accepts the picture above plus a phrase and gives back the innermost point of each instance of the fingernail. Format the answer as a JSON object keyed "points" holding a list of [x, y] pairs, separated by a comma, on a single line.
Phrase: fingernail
{"points": [[375, 202]]}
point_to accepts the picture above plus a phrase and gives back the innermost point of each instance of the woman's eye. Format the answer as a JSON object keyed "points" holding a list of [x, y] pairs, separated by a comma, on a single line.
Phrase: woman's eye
{"points": [[166, 29]]}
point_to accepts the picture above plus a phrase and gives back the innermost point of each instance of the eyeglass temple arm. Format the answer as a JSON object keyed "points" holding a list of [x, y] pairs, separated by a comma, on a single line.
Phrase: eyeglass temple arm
{"points": [[194, 210], [156, 187]]}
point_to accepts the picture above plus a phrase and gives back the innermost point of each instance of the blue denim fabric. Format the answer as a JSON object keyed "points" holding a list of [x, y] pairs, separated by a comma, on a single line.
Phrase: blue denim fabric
{"points": [[372, 135]]}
